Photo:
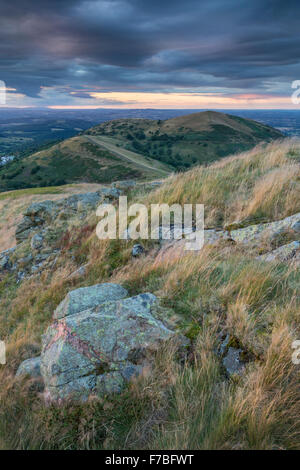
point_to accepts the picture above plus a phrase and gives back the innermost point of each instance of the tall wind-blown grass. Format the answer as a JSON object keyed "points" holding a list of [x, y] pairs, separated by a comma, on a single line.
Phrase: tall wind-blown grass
{"points": [[185, 401]]}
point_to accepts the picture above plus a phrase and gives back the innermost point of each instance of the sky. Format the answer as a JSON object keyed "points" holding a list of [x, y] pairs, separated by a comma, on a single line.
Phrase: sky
{"points": [[188, 54]]}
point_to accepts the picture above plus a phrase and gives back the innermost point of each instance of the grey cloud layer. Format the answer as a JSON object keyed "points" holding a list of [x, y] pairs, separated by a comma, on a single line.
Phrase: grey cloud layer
{"points": [[149, 45]]}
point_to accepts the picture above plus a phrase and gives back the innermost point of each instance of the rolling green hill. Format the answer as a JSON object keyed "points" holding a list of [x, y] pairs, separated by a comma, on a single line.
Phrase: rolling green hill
{"points": [[82, 159], [139, 149], [186, 140]]}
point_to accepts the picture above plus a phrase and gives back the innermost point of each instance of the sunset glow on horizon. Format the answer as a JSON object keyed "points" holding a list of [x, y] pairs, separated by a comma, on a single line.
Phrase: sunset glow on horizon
{"points": [[133, 100]]}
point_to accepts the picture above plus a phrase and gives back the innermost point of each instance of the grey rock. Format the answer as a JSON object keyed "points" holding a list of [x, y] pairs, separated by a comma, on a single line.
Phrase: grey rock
{"points": [[255, 233], [40, 211], [24, 229], [37, 241], [296, 226], [39, 214], [232, 362], [31, 367], [283, 253], [78, 389], [4, 262], [125, 185], [109, 193], [224, 345], [79, 272], [109, 383], [137, 250], [87, 297], [20, 276], [98, 350]]}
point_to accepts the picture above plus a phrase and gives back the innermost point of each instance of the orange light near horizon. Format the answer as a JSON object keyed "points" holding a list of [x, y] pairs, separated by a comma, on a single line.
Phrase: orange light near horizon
{"points": [[133, 100]]}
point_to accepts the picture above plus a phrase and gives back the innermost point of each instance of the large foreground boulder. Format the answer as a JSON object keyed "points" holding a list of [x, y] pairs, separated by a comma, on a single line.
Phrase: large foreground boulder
{"points": [[97, 350]]}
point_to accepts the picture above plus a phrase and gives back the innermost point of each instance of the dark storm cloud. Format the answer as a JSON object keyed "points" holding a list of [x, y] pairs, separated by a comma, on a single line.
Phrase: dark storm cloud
{"points": [[148, 45]]}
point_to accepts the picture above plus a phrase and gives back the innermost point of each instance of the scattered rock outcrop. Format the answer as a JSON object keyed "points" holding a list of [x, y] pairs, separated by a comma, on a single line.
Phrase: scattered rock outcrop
{"points": [[39, 214], [290, 251], [256, 233], [99, 341], [43, 223], [252, 235]]}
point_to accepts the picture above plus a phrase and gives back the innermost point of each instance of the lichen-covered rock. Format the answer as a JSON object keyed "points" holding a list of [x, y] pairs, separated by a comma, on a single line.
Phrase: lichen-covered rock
{"points": [[96, 351], [283, 253], [255, 233], [296, 226], [31, 367], [41, 214], [87, 297]]}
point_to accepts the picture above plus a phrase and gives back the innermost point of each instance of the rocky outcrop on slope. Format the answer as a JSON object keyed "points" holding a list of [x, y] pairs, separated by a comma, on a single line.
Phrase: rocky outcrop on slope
{"points": [[253, 236], [99, 340], [42, 223], [288, 252], [39, 214], [272, 230]]}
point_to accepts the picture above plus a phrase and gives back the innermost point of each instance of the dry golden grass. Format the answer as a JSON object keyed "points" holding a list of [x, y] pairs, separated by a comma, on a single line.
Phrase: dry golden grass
{"points": [[262, 184]]}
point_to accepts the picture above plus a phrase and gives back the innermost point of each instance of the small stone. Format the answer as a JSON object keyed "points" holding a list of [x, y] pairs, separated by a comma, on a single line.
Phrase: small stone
{"points": [[79, 272], [4, 262], [36, 241], [31, 367], [232, 362], [137, 250]]}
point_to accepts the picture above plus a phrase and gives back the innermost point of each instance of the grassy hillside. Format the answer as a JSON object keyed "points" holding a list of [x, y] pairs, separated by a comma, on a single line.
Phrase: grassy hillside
{"points": [[223, 290], [135, 149], [256, 186], [78, 160], [187, 140]]}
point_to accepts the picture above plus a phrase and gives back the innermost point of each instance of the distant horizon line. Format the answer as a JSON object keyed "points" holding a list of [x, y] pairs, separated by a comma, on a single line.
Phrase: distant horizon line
{"points": [[66, 108]]}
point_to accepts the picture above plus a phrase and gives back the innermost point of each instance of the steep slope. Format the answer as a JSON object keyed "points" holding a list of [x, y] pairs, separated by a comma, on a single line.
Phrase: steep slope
{"points": [[236, 301], [80, 159], [186, 140]]}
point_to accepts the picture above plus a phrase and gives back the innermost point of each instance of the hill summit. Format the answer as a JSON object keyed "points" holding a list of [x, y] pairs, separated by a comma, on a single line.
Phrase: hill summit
{"points": [[186, 140]]}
